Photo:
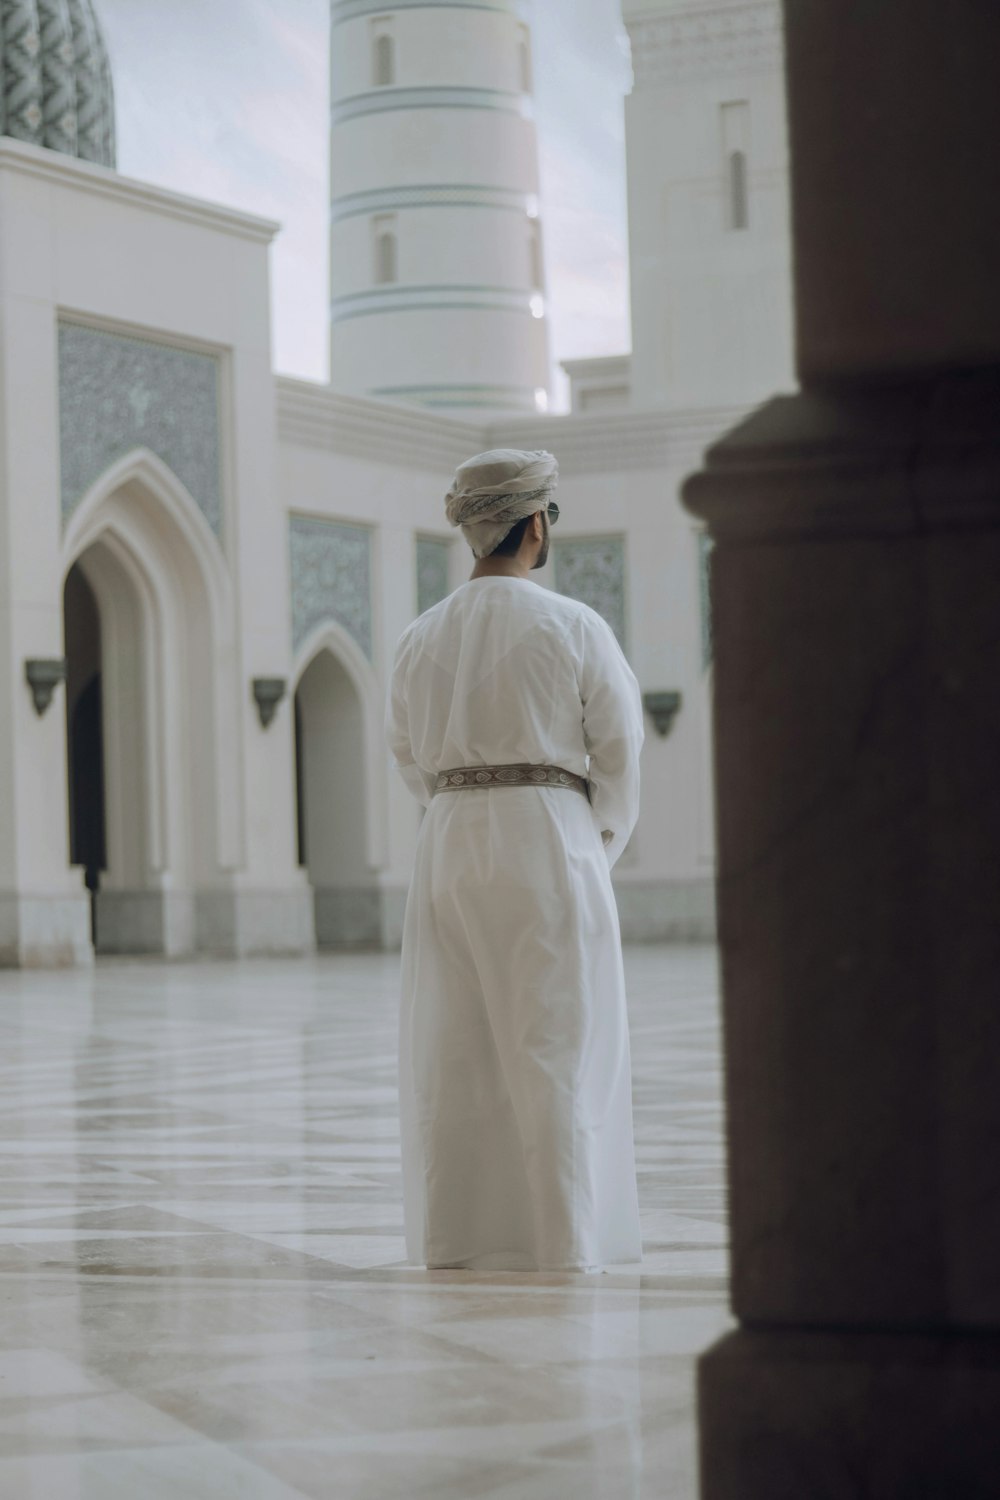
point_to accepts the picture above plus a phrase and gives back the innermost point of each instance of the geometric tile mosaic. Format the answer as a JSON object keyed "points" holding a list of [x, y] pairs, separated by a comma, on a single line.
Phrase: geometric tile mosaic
{"points": [[331, 578], [117, 393], [592, 569], [433, 560]]}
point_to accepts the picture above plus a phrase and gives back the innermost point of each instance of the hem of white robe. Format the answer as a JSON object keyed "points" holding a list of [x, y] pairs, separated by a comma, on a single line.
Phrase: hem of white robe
{"points": [[505, 1261]]}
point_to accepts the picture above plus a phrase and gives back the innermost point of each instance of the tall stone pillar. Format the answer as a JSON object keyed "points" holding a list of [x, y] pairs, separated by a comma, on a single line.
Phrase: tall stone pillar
{"points": [[856, 620]]}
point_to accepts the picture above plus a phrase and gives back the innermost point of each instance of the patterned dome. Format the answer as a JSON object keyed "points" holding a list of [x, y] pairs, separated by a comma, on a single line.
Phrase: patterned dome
{"points": [[55, 79]]}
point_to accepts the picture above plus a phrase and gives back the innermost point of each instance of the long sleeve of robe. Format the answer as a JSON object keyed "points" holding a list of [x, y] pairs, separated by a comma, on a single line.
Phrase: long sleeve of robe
{"points": [[612, 732], [515, 1080]]}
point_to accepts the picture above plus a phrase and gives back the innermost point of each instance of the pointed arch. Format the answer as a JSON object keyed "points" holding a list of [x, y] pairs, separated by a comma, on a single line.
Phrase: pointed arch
{"points": [[333, 638], [140, 519], [142, 467]]}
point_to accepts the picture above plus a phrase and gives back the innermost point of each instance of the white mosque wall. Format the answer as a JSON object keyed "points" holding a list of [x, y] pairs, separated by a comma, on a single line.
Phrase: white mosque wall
{"points": [[233, 527], [601, 384], [620, 477], [620, 480], [43, 910], [143, 283], [350, 467]]}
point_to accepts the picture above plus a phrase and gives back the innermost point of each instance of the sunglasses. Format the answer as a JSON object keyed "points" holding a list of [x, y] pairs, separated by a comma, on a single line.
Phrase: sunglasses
{"points": [[552, 511]]}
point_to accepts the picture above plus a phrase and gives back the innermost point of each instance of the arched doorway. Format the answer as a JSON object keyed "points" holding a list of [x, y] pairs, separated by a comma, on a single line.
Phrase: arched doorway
{"points": [[142, 612], [115, 829], [331, 814]]}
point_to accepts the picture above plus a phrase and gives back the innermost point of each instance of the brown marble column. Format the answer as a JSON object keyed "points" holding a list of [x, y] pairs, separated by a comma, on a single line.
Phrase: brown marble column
{"points": [[856, 620]]}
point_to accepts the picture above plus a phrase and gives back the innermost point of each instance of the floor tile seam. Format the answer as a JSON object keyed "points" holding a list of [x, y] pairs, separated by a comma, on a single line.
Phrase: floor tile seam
{"points": [[349, 1278], [405, 1440]]}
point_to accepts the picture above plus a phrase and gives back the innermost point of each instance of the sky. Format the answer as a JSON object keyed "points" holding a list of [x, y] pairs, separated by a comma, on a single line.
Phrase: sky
{"points": [[227, 100]]}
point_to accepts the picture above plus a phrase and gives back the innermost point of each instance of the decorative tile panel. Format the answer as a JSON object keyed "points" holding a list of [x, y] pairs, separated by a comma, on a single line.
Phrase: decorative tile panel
{"points": [[117, 393], [705, 546], [331, 571], [58, 82], [95, 105], [592, 569], [22, 71], [433, 559]]}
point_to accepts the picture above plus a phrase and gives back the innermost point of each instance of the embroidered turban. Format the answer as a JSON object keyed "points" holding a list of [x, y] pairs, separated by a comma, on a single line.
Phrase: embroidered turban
{"points": [[495, 490]]}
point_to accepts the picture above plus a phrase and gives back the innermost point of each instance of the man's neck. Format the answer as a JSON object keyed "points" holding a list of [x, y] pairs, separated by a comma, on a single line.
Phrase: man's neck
{"points": [[500, 567]]}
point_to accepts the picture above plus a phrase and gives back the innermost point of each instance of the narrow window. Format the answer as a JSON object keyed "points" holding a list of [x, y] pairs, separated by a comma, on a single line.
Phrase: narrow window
{"points": [[524, 60], [736, 164], [383, 54], [385, 62], [739, 202], [536, 270], [386, 249], [386, 271]]}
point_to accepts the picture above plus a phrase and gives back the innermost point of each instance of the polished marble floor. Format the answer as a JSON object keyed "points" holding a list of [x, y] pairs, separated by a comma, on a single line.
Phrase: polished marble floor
{"points": [[202, 1286]]}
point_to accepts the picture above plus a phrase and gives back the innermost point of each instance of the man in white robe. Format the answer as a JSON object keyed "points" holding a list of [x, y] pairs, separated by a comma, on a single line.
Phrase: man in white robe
{"points": [[515, 1077]]}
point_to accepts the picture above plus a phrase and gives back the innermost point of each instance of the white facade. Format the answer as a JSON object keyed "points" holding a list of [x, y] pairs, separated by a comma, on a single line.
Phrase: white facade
{"points": [[436, 257], [190, 603], [225, 561], [601, 384], [622, 543], [709, 231]]}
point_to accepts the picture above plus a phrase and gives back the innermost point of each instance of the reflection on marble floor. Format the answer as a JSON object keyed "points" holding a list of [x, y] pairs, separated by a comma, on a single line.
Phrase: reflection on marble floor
{"points": [[202, 1286]]}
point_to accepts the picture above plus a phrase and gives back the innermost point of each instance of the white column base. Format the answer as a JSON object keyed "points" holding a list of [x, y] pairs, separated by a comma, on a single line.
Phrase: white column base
{"points": [[393, 913], [666, 911], [45, 932], [159, 922], [348, 917], [255, 923]]}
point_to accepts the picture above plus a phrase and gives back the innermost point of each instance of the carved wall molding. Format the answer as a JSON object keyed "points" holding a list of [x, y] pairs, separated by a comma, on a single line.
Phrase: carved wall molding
{"points": [[34, 161], [313, 416], [695, 43], [611, 442]]}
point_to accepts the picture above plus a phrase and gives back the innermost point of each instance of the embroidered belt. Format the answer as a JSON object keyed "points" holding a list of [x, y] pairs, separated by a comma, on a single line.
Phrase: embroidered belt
{"points": [[463, 777]]}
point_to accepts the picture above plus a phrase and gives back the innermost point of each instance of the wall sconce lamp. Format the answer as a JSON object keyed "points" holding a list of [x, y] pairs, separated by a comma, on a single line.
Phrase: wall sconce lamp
{"points": [[662, 709], [43, 677], [268, 693]]}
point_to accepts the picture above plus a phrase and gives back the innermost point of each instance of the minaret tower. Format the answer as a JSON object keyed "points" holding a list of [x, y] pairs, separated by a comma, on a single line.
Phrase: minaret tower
{"points": [[437, 289]]}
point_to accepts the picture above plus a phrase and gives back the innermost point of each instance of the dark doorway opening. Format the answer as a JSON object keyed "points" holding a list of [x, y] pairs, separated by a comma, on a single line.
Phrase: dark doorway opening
{"points": [[84, 733], [300, 791]]}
